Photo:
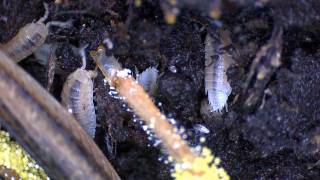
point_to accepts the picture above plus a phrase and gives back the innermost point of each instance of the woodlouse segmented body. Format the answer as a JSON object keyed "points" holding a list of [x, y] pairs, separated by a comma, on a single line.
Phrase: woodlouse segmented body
{"points": [[108, 65], [77, 96], [216, 82], [28, 39]]}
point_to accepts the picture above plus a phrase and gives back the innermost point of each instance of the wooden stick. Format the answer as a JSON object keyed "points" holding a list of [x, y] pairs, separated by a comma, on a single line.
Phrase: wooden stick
{"points": [[139, 100], [141, 103], [189, 164], [46, 130]]}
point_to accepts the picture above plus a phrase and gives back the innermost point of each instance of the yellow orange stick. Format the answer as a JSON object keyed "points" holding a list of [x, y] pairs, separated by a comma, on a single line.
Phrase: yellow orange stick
{"points": [[189, 164]]}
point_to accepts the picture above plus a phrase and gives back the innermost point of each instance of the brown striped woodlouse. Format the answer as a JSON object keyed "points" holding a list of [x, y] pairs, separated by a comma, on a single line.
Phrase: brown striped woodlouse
{"points": [[77, 96]]}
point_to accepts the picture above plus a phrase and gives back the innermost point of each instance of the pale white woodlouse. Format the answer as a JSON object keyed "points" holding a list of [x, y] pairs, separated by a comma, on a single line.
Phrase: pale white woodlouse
{"points": [[108, 65], [148, 79], [217, 86], [30, 37], [77, 96]]}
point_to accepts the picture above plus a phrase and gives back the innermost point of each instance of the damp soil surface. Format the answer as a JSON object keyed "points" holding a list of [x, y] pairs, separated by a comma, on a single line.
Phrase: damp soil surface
{"points": [[272, 127]]}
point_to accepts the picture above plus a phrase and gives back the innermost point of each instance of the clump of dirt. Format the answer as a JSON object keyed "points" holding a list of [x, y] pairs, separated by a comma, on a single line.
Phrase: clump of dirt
{"points": [[278, 138]]}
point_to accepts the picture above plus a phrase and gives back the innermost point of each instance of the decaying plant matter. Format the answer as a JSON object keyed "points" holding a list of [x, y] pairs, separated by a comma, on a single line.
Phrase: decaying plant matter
{"points": [[267, 60]]}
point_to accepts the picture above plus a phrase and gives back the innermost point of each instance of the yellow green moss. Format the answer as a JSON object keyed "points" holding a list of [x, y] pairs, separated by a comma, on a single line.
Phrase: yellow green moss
{"points": [[12, 156], [203, 167]]}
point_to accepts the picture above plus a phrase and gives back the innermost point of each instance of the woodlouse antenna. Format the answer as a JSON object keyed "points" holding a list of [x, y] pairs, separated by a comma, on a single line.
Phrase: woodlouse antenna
{"points": [[83, 56], [46, 13]]}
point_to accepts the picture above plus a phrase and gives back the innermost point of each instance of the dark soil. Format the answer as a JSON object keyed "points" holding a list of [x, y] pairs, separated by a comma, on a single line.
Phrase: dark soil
{"points": [[276, 138]]}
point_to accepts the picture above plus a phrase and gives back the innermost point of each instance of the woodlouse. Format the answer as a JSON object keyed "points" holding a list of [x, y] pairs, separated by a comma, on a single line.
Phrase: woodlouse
{"points": [[148, 79], [28, 39], [216, 83], [77, 96], [108, 65], [31, 37]]}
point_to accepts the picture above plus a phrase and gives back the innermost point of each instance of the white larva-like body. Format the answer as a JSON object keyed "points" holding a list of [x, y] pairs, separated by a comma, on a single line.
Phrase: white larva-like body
{"points": [[201, 129], [216, 83]]}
